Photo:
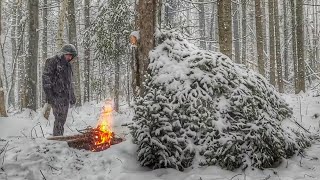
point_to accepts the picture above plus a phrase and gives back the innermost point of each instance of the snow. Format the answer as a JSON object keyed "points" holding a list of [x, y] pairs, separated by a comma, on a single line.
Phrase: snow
{"points": [[30, 157]]}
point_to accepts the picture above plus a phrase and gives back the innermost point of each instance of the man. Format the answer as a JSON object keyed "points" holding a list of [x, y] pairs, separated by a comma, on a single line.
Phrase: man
{"points": [[57, 85]]}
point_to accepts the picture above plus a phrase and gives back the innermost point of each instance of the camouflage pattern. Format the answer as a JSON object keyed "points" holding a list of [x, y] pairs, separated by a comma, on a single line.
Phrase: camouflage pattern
{"points": [[58, 88]]}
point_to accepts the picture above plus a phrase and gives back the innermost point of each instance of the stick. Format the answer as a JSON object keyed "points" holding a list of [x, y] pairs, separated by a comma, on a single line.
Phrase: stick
{"points": [[43, 175]]}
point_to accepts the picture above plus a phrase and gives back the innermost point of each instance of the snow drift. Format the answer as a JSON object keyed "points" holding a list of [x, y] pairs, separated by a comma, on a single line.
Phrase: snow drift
{"points": [[201, 108]]}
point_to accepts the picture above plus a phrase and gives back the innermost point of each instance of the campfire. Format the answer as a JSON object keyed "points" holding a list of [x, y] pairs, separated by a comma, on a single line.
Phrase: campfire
{"points": [[94, 139]]}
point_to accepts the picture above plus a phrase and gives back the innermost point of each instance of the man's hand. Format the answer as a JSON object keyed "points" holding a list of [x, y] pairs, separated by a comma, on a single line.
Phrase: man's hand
{"points": [[72, 106], [73, 101]]}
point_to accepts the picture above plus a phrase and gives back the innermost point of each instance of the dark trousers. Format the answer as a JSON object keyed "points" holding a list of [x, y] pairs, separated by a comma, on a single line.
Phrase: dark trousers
{"points": [[60, 113]]}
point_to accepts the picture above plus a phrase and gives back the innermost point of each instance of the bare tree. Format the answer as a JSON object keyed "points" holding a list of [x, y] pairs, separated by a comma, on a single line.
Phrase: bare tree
{"points": [[3, 111], [285, 41], [235, 22], [244, 31], [271, 43], [86, 52], [73, 40], [294, 45], [225, 27], [278, 52], [32, 58], [300, 46], [259, 34], [202, 24]]}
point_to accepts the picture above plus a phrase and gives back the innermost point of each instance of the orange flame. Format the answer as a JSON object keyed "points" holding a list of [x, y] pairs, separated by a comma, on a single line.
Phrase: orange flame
{"points": [[105, 133]]}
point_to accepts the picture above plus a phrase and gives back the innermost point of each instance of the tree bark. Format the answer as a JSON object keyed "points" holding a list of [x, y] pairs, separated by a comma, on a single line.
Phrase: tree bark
{"points": [[86, 52], [300, 46], [147, 23], [235, 21], [3, 112], [244, 31], [271, 43], [73, 40], [117, 78], [259, 35], [32, 58], [45, 50], [202, 24], [225, 27], [285, 39], [278, 51], [11, 93], [294, 45]]}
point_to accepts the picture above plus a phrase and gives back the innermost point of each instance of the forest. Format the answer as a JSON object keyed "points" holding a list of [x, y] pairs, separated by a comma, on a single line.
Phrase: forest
{"points": [[278, 39], [165, 89]]}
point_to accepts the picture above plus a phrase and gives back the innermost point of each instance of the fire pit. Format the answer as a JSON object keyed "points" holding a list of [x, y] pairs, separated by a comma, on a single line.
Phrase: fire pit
{"points": [[94, 139]]}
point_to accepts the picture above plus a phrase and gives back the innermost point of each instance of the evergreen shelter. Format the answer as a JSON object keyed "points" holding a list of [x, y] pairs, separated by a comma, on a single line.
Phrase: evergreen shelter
{"points": [[200, 108]]}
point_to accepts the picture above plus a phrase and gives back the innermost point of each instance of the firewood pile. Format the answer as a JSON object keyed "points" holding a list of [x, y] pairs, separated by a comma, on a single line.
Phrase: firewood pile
{"points": [[92, 139]]}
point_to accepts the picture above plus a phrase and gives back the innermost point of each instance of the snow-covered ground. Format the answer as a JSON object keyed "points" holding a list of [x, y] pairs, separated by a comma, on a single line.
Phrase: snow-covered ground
{"points": [[26, 154]]}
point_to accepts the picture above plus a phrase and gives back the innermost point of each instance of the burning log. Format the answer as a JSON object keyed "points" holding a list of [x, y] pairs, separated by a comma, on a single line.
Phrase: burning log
{"points": [[92, 139]]}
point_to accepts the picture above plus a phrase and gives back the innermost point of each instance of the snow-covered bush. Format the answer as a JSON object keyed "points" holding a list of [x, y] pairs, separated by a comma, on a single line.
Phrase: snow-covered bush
{"points": [[199, 103]]}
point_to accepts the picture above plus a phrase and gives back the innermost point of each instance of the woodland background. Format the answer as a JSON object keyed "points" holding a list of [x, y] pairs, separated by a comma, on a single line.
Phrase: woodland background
{"points": [[277, 38]]}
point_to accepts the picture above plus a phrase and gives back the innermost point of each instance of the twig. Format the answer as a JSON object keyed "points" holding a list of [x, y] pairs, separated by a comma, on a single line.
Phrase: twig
{"points": [[308, 175], [43, 175], [4, 150], [235, 176], [69, 128], [41, 130], [23, 134], [53, 167], [119, 160]]}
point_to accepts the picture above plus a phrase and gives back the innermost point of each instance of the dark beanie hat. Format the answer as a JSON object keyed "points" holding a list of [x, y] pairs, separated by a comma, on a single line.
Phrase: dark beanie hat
{"points": [[69, 49]]}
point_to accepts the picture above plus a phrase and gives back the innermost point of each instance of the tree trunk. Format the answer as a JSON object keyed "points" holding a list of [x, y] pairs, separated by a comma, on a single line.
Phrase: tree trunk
{"points": [[117, 77], [45, 50], [32, 58], [225, 27], [169, 13], [86, 52], [3, 112], [235, 20], [62, 16], [244, 31], [272, 47], [21, 68], [212, 31], [73, 40], [11, 100], [300, 46], [294, 45], [259, 35], [202, 25], [147, 22], [285, 40], [265, 25], [278, 51]]}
